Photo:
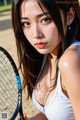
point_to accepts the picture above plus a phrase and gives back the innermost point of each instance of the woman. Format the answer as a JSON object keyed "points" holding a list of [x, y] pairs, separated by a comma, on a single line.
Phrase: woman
{"points": [[47, 36]]}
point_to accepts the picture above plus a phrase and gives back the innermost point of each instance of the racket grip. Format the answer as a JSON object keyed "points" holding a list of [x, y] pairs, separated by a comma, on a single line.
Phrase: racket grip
{"points": [[21, 118]]}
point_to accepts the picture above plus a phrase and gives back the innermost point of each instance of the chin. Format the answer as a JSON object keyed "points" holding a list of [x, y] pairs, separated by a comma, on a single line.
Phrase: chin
{"points": [[41, 51]]}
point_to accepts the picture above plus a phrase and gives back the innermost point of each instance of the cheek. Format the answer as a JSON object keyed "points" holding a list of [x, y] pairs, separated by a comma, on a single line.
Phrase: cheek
{"points": [[27, 35], [52, 31]]}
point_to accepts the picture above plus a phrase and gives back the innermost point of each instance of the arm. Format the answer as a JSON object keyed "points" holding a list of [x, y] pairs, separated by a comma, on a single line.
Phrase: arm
{"points": [[37, 116], [69, 66]]}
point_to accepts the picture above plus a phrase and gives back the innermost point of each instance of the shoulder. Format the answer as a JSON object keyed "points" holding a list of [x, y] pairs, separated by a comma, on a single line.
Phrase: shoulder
{"points": [[70, 59], [69, 65]]}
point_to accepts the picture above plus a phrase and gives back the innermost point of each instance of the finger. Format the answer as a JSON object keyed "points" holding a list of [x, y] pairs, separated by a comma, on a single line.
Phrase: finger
{"points": [[25, 117]]}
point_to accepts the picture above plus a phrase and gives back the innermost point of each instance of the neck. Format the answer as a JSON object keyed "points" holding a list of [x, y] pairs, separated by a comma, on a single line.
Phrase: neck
{"points": [[54, 53]]}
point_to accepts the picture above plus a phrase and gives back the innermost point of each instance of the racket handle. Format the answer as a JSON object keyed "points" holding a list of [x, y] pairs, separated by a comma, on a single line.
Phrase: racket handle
{"points": [[21, 118]]}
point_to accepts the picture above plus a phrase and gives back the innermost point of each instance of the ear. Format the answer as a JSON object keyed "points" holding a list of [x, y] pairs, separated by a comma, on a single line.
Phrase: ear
{"points": [[70, 16]]}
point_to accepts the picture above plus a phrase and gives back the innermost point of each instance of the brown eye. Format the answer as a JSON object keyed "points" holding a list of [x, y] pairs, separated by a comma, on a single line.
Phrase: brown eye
{"points": [[25, 24], [46, 20]]}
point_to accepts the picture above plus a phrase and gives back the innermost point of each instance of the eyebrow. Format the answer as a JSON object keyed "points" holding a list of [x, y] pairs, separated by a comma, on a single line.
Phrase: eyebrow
{"points": [[38, 16]]}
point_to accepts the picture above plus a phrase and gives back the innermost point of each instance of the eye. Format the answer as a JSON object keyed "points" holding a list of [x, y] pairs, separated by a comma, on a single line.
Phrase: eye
{"points": [[25, 24], [46, 20]]}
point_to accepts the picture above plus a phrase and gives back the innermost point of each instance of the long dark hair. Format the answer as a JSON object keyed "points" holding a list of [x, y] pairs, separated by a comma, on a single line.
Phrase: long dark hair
{"points": [[30, 60]]}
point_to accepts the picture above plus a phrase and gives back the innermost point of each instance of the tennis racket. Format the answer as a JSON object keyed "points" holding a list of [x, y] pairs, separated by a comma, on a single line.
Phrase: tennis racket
{"points": [[10, 88]]}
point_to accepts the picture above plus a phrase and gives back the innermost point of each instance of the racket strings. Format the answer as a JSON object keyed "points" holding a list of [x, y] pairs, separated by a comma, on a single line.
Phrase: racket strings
{"points": [[8, 86], [9, 78], [4, 107], [8, 96], [7, 69]]}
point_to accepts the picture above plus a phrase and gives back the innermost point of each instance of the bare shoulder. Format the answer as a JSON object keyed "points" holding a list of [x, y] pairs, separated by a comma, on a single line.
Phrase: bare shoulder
{"points": [[69, 67], [70, 59]]}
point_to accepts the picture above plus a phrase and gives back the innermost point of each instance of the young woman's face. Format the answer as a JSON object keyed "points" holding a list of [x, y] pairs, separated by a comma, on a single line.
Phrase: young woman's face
{"points": [[38, 27]]}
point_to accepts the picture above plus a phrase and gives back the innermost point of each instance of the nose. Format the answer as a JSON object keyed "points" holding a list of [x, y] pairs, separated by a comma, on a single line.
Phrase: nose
{"points": [[37, 32]]}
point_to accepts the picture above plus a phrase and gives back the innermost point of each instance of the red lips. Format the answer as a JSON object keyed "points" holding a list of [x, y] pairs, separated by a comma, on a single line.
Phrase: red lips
{"points": [[41, 45]]}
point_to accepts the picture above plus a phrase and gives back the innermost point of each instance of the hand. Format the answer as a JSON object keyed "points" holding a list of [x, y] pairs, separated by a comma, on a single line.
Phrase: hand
{"points": [[24, 116]]}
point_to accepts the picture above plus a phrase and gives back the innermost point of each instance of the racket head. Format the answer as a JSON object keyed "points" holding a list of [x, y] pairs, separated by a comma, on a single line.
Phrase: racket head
{"points": [[10, 86]]}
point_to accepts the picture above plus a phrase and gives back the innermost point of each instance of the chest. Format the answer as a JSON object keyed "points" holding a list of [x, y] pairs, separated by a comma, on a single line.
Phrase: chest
{"points": [[54, 104], [43, 91]]}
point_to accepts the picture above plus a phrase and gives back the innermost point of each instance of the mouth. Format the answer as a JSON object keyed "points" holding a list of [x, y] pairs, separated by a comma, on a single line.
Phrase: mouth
{"points": [[41, 45]]}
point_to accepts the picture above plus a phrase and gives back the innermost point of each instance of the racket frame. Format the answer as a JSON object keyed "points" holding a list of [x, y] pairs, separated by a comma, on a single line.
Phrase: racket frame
{"points": [[19, 86]]}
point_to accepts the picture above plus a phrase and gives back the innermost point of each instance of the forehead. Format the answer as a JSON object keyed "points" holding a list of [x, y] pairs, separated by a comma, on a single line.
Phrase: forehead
{"points": [[29, 7]]}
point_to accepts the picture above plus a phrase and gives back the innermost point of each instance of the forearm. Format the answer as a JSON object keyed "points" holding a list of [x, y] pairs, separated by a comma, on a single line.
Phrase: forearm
{"points": [[38, 116]]}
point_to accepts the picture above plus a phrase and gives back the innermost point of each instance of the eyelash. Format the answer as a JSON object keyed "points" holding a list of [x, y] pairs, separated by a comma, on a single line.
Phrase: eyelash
{"points": [[25, 24], [45, 20]]}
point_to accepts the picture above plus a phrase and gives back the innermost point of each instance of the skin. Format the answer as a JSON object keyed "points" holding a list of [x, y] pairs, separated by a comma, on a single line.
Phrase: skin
{"points": [[37, 28], [69, 66]]}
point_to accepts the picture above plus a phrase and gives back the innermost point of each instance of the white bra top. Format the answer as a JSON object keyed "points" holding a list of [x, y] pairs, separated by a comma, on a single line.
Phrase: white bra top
{"points": [[60, 107]]}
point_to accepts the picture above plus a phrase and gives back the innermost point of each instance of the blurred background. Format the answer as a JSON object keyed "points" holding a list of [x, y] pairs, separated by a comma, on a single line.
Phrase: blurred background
{"points": [[7, 40]]}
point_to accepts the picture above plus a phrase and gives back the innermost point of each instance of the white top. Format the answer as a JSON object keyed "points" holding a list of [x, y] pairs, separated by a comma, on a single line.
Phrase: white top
{"points": [[60, 107]]}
